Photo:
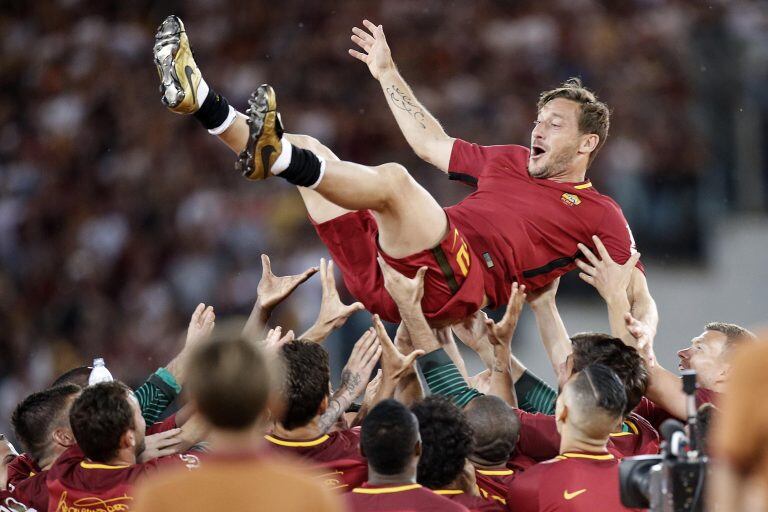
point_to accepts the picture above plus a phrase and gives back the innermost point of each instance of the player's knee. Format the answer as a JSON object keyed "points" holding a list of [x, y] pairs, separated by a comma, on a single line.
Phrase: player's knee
{"points": [[395, 175]]}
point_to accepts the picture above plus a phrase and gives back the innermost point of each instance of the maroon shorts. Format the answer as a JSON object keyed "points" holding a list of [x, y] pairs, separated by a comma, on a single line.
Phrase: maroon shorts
{"points": [[453, 285]]}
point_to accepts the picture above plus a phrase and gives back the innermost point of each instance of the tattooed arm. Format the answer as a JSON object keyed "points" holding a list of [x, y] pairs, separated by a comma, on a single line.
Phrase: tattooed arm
{"points": [[354, 378], [422, 131]]}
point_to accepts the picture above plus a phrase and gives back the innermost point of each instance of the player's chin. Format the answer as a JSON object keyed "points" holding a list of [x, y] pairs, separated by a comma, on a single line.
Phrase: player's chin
{"points": [[536, 168]]}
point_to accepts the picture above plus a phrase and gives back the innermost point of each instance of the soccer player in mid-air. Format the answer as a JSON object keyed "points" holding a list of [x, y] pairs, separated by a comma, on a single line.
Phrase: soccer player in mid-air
{"points": [[532, 206]]}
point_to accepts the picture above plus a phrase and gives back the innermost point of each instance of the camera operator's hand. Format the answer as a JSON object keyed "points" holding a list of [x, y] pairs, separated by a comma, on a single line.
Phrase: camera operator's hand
{"points": [[333, 313]]}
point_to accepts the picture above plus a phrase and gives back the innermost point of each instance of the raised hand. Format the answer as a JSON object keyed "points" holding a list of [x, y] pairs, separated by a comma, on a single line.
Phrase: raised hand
{"points": [[500, 334], [406, 292], [333, 313], [607, 276], [273, 289], [275, 339], [376, 53], [545, 294], [354, 378], [200, 326], [357, 371], [473, 332], [393, 363], [644, 337], [161, 444]]}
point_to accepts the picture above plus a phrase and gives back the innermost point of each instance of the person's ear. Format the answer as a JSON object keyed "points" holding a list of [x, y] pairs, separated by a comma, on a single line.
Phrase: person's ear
{"points": [[589, 143], [562, 415], [128, 439], [63, 437], [417, 448], [323, 406]]}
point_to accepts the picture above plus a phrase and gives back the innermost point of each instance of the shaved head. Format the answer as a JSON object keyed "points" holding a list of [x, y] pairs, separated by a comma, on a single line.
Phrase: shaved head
{"points": [[496, 428], [593, 402]]}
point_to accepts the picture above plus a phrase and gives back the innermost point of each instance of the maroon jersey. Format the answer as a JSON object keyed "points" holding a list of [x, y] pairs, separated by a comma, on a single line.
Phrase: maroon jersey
{"points": [[526, 229], [33, 491], [12, 503], [571, 482], [519, 462], [336, 445], [168, 423], [400, 498], [540, 440], [21, 468], [77, 484], [473, 503], [655, 415], [343, 475], [493, 483]]}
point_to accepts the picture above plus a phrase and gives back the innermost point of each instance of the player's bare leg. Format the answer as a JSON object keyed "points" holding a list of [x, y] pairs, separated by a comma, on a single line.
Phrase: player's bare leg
{"points": [[408, 217], [185, 92]]}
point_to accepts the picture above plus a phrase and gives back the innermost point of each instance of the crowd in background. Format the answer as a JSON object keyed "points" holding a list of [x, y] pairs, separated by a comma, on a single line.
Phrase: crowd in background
{"points": [[117, 218]]}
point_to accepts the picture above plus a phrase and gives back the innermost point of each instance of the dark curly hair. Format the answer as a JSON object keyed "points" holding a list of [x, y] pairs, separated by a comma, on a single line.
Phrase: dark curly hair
{"points": [[307, 381], [35, 418], [99, 417], [446, 441], [626, 362]]}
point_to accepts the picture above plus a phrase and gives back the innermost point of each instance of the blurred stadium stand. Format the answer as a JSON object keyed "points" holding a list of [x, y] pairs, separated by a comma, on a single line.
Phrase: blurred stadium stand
{"points": [[117, 217]]}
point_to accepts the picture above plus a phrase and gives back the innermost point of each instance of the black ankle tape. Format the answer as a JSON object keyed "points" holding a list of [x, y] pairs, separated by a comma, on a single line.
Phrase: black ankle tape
{"points": [[304, 169], [214, 110]]}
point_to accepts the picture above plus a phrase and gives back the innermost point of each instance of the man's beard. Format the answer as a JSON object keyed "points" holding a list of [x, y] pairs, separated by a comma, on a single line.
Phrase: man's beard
{"points": [[557, 163]]}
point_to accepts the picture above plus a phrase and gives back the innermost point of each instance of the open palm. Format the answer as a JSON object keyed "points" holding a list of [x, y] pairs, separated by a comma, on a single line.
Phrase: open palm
{"points": [[376, 53]]}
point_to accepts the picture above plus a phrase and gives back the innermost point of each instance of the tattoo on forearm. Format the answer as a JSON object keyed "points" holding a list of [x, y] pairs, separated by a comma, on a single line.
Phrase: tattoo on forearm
{"points": [[331, 415], [404, 102], [499, 367], [350, 380]]}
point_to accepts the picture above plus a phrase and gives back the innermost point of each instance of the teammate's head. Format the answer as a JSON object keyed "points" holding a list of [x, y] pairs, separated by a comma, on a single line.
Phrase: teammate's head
{"points": [[709, 352], [78, 375], [390, 440], [307, 382], [592, 403], [495, 429], [106, 419], [446, 441], [626, 362], [571, 126], [229, 383], [41, 422], [7, 455]]}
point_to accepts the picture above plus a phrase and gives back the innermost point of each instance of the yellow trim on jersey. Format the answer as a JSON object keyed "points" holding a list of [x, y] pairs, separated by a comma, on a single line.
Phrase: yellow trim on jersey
{"points": [[297, 444], [583, 185], [607, 456], [495, 472], [385, 490], [448, 491], [91, 465], [632, 427]]}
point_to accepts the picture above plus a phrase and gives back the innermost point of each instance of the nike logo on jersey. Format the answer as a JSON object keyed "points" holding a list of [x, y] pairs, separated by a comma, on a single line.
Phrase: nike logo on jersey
{"points": [[570, 495]]}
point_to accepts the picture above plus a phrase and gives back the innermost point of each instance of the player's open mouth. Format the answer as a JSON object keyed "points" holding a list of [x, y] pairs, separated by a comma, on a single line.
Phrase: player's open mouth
{"points": [[537, 151]]}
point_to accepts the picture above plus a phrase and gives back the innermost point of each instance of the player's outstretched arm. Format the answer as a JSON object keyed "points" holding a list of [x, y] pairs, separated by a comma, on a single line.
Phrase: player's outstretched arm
{"points": [[552, 330], [500, 336], [333, 313], [422, 131]]}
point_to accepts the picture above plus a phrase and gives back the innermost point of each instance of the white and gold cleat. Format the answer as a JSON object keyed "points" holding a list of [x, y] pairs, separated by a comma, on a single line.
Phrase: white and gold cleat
{"points": [[179, 75]]}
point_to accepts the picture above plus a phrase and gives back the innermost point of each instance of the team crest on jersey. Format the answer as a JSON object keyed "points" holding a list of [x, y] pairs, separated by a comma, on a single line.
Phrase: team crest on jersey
{"points": [[570, 199]]}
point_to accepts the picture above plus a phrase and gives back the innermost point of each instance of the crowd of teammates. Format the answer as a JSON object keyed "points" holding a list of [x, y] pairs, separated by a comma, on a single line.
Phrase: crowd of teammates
{"points": [[260, 427]]}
